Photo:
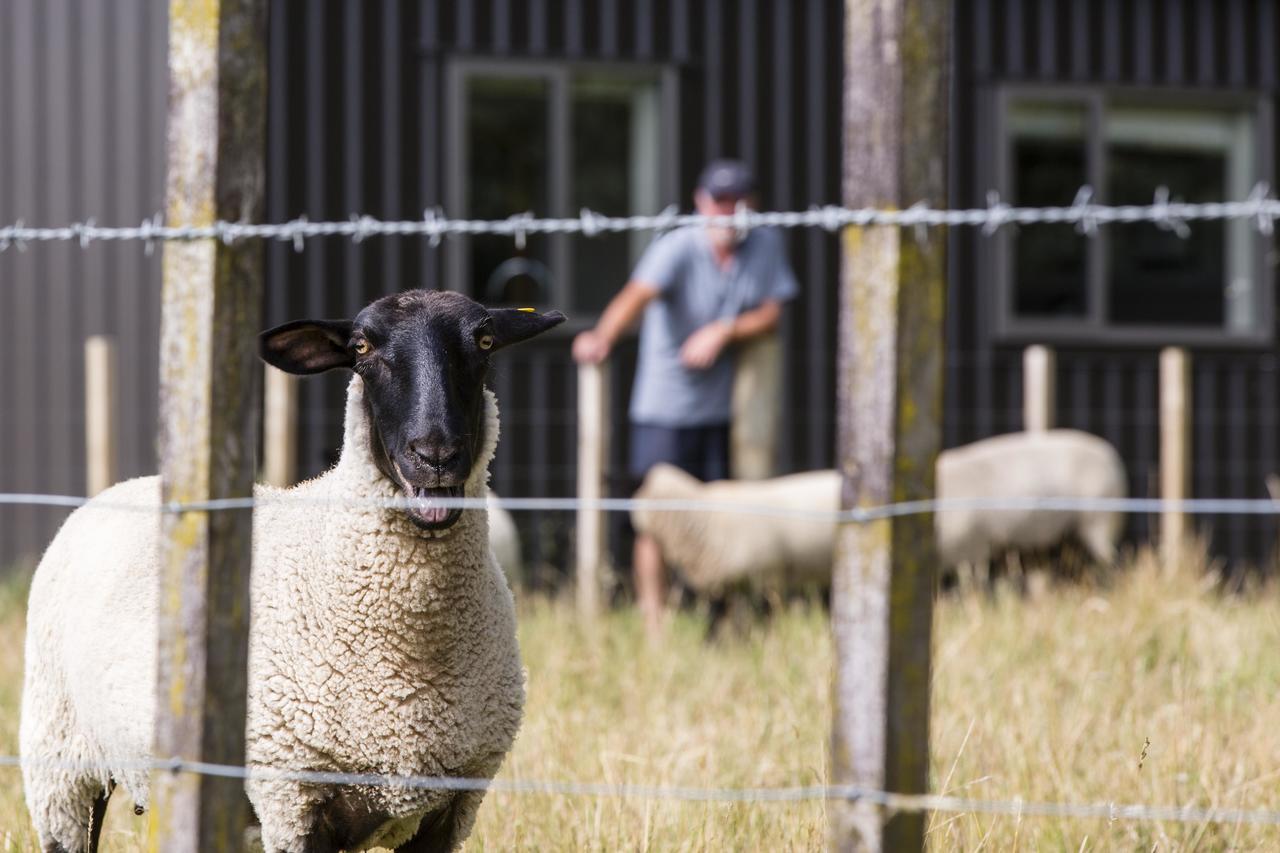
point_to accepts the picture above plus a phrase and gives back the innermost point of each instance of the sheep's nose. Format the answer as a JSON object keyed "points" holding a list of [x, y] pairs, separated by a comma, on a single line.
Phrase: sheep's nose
{"points": [[432, 453]]}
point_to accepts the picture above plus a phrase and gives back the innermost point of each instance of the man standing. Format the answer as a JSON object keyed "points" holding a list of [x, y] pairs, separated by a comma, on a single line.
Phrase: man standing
{"points": [[701, 289]]}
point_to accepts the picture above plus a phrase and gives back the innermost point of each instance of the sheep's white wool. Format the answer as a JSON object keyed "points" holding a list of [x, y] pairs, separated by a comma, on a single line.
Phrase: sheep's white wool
{"points": [[1055, 463], [373, 648], [716, 549]]}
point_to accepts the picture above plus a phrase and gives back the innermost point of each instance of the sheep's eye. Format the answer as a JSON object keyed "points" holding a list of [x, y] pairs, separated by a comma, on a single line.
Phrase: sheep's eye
{"points": [[362, 347], [485, 341]]}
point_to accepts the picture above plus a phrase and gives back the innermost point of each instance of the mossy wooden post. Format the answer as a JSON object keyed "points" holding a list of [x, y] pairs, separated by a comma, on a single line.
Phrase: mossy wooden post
{"points": [[1175, 451], [889, 391], [208, 415], [99, 413], [593, 456]]}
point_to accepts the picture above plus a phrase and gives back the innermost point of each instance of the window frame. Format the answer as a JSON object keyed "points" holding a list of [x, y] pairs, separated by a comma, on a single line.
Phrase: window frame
{"points": [[558, 76], [1095, 327]]}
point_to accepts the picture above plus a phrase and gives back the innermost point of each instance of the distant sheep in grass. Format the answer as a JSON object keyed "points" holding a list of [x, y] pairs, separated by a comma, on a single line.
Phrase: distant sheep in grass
{"points": [[716, 550]]}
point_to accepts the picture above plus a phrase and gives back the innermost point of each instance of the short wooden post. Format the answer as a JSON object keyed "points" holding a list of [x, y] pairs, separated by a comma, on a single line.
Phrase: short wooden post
{"points": [[1039, 388], [99, 413], [280, 427], [593, 456], [757, 385], [889, 392], [1175, 450], [211, 299]]}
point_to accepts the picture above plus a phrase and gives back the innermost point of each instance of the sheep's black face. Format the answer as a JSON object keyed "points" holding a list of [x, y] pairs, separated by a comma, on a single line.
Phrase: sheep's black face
{"points": [[423, 357]]}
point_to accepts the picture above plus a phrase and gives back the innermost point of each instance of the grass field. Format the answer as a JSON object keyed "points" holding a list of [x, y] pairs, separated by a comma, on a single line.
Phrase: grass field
{"points": [[1153, 688]]}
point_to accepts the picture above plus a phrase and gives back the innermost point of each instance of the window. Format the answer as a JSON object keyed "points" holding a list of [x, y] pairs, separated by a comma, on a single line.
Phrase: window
{"points": [[1136, 281], [553, 140]]}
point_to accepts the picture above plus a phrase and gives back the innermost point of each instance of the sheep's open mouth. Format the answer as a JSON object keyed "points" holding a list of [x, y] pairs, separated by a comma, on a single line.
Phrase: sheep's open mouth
{"points": [[428, 514]]}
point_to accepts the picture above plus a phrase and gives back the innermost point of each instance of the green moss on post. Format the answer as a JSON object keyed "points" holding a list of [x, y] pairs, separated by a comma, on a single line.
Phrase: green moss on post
{"points": [[208, 415], [889, 390]]}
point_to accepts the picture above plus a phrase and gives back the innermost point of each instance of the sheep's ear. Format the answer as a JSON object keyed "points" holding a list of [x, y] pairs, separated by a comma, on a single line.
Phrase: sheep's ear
{"points": [[513, 325], [307, 346]]}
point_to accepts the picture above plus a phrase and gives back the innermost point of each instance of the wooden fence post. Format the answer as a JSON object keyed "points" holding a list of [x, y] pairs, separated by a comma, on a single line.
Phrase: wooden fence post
{"points": [[280, 427], [1175, 449], [99, 413], [593, 457], [1039, 388], [211, 301], [889, 391]]}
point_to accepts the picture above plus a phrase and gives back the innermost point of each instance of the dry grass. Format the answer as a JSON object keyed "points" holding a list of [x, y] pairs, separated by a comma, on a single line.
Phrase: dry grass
{"points": [[1050, 697]]}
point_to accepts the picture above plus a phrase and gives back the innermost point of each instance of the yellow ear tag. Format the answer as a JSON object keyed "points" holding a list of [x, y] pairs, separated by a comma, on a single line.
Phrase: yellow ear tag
{"points": [[527, 310]]}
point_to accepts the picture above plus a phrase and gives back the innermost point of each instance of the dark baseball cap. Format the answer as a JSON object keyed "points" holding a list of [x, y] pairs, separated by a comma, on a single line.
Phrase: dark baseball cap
{"points": [[727, 179]]}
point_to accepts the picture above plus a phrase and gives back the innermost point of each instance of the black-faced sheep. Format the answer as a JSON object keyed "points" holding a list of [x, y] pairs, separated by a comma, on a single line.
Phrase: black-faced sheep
{"points": [[382, 640]]}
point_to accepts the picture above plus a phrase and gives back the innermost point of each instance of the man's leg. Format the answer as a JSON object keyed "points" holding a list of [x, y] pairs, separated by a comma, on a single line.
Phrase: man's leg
{"points": [[651, 582]]}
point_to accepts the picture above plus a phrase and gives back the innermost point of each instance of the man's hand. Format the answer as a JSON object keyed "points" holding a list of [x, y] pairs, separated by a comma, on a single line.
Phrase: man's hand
{"points": [[704, 346], [590, 347]]}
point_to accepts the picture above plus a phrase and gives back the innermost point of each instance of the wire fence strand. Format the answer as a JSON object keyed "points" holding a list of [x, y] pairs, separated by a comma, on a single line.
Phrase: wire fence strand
{"points": [[1109, 811], [857, 515], [1170, 215]]}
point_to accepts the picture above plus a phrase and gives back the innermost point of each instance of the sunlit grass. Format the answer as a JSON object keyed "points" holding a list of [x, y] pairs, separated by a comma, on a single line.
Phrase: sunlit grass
{"points": [[1154, 687]]}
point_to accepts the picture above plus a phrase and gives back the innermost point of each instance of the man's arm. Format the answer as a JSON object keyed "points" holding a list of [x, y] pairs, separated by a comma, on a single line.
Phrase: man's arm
{"points": [[704, 346], [593, 346]]}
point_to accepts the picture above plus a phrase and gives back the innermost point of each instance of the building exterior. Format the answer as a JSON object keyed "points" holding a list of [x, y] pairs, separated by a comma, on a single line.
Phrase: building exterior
{"points": [[486, 107]]}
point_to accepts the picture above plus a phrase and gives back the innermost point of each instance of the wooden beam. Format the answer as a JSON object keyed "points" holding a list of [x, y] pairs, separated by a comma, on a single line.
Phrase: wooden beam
{"points": [[99, 413], [280, 428], [1039, 388], [593, 457], [211, 301], [1175, 450], [889, 391]]}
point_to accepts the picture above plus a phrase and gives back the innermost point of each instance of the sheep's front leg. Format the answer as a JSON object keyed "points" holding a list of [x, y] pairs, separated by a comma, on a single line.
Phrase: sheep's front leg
{"points": [[447, 827]]}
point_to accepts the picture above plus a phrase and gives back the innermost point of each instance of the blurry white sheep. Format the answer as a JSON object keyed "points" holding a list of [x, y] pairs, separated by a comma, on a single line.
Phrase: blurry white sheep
{"points": [[715, 550]]}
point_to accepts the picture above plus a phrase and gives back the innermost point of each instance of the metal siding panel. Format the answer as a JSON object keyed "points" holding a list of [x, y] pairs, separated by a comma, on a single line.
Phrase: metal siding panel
{"points": [[133, 327], [24, 150], [1175, 58], [1079, 39], [1047, 49], [1143, 465], [154, 83], [1238, 52], [63, 446], [1266, 45], [430, 115], [1205, 47], [608, 28], [353, 128], [713, 58], [782, 126], [680, 30], [1141, 44], [537, 27], [393, 71], [1204, 468], [464, 37], [748, 62], [279, 86], [573, 28], [643, 24], [1014, 38], [9, 36], [1265, 427], [815, 123], [1111, 47], [982, 64], [501, 43], [316, 95]]}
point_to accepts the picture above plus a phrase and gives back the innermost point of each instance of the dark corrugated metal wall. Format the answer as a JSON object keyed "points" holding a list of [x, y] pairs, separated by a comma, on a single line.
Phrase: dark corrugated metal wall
{"points": [[357, 98], [1182, 44], [83, 138]]}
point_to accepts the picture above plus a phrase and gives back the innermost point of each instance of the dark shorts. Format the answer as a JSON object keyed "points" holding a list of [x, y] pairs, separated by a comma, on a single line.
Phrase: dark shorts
{"points": [[702, 451]]}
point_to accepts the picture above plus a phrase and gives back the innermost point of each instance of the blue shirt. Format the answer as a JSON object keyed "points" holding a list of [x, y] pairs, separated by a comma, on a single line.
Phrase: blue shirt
{"points": [[694, 290]]}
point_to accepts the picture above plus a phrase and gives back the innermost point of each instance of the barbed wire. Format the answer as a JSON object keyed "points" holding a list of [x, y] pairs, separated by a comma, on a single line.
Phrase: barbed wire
{"points": [[1110, 811], [857, 515], [1083, 213]]}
